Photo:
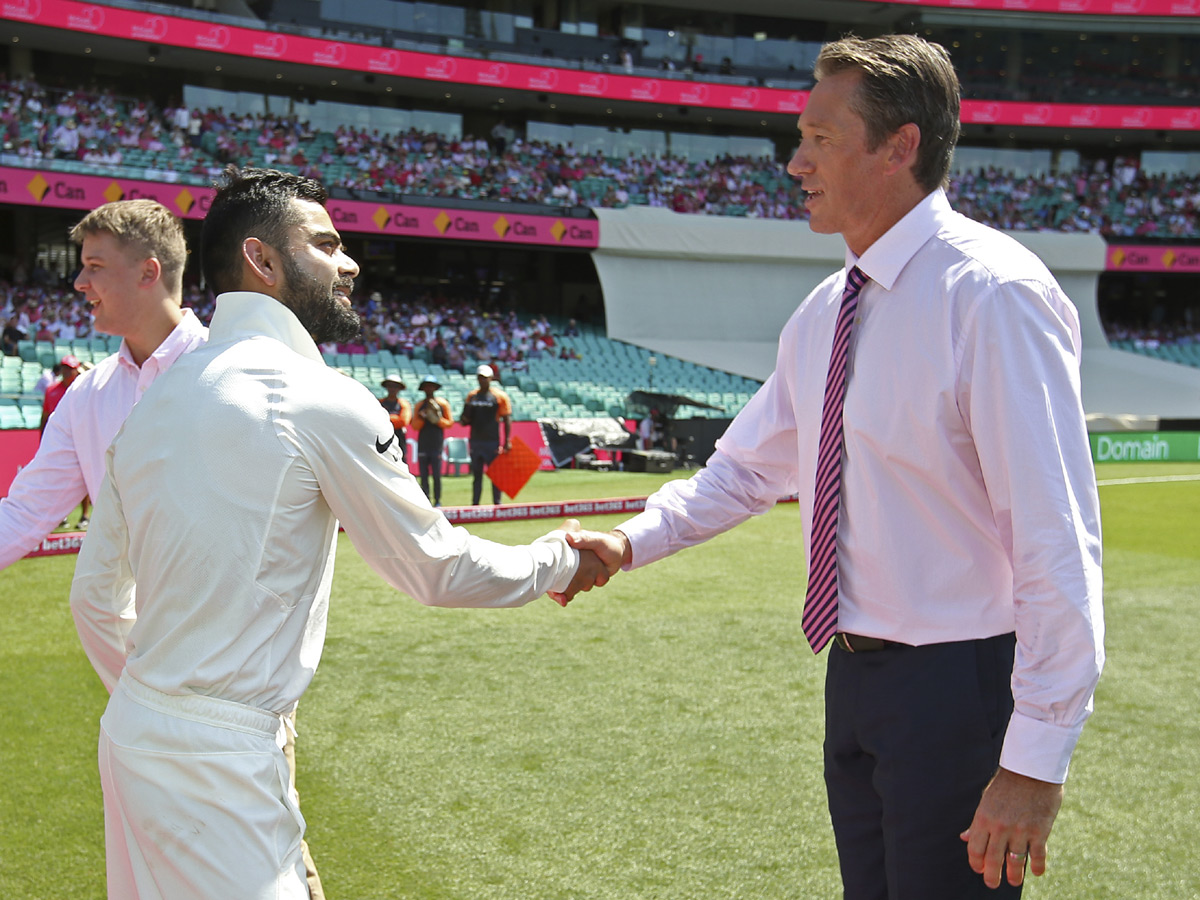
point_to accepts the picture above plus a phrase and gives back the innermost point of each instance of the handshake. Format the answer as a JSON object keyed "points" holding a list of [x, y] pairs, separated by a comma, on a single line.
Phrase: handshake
{"points": [[601, 555]]}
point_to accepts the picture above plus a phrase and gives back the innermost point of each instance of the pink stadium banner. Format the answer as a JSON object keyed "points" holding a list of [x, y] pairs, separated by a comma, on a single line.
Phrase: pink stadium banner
{"points": [[344, 55], [34, 187], [1080, 115], [1075, 7], [17, 446], [1152, 258], [65, 542]]}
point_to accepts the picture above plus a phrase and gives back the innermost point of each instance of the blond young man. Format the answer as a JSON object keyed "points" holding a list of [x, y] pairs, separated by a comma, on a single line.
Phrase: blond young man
{"points": [[132, 255]]}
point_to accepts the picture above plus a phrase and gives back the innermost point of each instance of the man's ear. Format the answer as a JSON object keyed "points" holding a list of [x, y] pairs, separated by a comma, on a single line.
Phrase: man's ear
{"points": [[261, 264], [903, 146], [151, 271]]}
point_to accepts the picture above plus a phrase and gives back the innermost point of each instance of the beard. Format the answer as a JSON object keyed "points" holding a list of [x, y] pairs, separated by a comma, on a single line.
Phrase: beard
{"points": [[319, 311]]}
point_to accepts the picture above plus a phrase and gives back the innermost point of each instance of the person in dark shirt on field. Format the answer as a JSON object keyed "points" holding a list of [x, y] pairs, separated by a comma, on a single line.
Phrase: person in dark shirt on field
{"points": [[484, 411]]}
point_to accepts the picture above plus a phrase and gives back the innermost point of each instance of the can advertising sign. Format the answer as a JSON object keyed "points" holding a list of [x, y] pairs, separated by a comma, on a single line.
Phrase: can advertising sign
{"points": [[1152, 258], [33, 187], [1146, 446], [350, 56], [1075, 7]]}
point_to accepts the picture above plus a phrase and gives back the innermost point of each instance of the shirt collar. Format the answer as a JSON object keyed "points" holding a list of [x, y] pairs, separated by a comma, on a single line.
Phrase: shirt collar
{"points": [[886, 258], [188, 333], [244, 314]]}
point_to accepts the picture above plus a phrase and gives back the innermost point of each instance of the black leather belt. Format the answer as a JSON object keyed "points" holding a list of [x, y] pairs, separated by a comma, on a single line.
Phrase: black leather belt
{"points": [[855, 643]]}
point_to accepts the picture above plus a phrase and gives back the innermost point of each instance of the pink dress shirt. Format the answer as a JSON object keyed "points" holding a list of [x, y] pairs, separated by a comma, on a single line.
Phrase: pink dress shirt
{"points": [[969, 502], [70, 460]]}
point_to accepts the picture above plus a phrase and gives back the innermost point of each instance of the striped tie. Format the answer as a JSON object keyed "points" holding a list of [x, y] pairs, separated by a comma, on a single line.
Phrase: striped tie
{"points": [[820, 617]]}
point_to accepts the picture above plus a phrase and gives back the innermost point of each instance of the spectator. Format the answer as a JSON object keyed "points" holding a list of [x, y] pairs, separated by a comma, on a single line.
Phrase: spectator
{"points": [[66, 140], [49, 377]]}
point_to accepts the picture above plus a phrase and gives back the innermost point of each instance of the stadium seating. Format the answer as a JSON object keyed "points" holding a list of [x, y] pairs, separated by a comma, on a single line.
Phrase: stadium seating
{"points": [[1185, 353], [596, 384], [454, 452]]}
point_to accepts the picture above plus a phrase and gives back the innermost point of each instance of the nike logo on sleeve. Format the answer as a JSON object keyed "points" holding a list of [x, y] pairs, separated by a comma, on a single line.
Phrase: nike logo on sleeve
{"points": [[382, 448]]}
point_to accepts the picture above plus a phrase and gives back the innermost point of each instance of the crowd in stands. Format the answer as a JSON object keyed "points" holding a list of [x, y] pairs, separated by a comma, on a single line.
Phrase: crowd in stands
{"points": [[1121, 201], [41, 311], [456, 332], [98, 128], [1152, 337]]}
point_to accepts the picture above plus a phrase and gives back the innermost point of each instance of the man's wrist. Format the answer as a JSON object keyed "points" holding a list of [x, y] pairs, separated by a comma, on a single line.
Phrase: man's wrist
{"points": [[626, 548]]}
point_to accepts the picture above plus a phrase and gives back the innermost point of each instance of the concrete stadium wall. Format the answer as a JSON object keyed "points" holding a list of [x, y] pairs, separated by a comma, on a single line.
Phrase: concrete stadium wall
{"points": [[717, 291]]}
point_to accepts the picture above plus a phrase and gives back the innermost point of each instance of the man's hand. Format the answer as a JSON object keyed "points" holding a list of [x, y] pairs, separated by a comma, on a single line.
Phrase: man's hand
{"points": [[612, 547], [1012, 823], [591, 573], [600, 557]]}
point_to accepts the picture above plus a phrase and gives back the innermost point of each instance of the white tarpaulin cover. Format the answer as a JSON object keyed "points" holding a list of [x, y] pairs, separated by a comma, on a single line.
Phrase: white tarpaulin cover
{"points": [[717, 290]]}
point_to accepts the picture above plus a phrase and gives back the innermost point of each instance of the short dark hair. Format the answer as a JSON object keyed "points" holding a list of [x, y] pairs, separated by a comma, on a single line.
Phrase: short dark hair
{"points": [[904, 79], [250, 203]]}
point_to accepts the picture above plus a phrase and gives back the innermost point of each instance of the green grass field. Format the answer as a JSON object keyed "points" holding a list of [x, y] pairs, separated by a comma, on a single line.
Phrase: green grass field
{"points": [[658, 739]]}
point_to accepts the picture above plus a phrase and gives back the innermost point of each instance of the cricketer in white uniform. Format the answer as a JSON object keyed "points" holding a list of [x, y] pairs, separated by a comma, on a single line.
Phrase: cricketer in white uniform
{"points": [[222, 501]]}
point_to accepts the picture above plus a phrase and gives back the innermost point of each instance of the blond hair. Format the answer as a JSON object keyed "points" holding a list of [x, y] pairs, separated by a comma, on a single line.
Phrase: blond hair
{"points": [[145, 227]]}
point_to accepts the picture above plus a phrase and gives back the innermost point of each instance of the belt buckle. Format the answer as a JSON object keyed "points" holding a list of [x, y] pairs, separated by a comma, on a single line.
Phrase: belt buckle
{"points": [[844, 642]]}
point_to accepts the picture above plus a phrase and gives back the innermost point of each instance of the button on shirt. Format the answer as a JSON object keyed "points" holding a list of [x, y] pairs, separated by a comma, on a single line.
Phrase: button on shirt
{"points": [[222, 503], [70, 459], [969, 502]]}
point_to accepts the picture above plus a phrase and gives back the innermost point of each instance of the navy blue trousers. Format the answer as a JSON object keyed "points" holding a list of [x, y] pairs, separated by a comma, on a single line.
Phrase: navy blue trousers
{"points": [[912, 737], [482, 454]]}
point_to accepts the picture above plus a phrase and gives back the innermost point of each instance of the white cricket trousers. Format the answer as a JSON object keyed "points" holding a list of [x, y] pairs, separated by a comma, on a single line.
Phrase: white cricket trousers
{"points": [[197, 804]]}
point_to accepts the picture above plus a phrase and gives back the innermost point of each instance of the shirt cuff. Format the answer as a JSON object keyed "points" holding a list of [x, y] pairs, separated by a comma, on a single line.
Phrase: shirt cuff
{"points": [[567, 558], [646, 533], [1038, 749]]}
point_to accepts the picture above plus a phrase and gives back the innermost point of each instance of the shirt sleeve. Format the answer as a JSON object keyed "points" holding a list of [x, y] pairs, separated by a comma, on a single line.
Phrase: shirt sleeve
{"points": [[1020, 393], [465, 416], [752, 467], [503, 404], [102, 593], [44, 491], [408, 542]]}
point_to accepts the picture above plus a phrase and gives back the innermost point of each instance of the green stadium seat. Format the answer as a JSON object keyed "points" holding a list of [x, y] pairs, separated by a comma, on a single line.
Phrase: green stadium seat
{"points": [[455, 452], [31, 411]]}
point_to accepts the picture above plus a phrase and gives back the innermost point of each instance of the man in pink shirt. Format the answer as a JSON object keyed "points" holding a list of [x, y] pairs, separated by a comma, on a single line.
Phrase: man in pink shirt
{"points": [[133, 254]]}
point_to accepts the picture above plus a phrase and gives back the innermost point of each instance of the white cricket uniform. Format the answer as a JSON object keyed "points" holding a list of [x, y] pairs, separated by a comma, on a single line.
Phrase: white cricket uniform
{"points": [[222, 501]]}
